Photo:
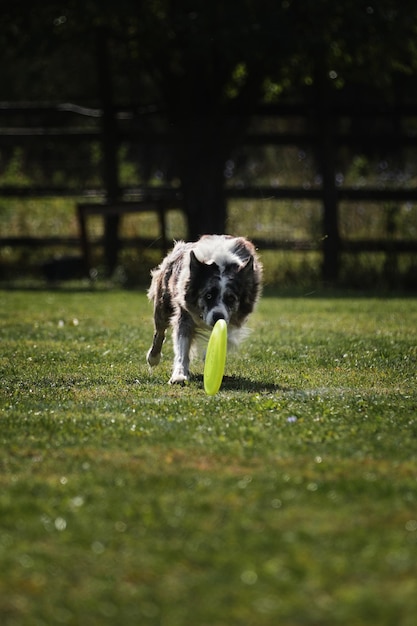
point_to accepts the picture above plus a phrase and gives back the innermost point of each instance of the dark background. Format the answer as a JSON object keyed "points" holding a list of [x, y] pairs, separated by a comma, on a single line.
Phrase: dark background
{"points": [[198, 74]]}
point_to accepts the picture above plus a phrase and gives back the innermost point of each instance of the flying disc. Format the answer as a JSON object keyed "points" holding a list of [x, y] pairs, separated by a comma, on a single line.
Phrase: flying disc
{"points": [[215, 358]]}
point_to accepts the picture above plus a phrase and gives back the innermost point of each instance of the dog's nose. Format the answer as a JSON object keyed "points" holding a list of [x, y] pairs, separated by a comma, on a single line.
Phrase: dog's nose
{"points": [[217, 315]]}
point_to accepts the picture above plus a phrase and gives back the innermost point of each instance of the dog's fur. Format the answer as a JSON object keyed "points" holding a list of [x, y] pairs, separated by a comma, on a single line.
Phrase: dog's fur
{"points": [[198, 283]]}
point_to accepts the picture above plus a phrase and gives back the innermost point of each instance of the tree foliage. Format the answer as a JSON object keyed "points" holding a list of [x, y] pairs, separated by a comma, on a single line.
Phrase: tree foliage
{"points": [[198, 61], [212, 52]]}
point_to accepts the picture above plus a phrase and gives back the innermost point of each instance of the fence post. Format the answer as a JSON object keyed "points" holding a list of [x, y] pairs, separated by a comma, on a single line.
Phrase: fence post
{"points": [[109, 145], [327, 161]]}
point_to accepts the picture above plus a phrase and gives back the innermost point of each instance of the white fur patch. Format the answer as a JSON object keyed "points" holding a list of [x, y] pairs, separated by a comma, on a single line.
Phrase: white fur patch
{"points": [[221, 308], [216, 249]]}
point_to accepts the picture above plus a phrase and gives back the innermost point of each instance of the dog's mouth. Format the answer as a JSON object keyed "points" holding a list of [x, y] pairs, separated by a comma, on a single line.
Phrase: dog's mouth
{"points": [[214, 318]]}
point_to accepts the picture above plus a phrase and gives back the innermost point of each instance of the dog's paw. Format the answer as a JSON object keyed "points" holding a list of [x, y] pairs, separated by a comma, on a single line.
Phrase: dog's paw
{"points": [[178, 378], [153, 359]]}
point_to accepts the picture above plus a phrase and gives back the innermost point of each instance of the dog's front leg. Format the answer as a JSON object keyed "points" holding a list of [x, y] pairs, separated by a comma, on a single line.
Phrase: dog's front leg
{"points": [[182, 336]]}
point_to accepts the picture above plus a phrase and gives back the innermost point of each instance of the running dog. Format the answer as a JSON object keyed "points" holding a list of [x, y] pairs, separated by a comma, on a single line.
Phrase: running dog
{"points": [[198, 283]]}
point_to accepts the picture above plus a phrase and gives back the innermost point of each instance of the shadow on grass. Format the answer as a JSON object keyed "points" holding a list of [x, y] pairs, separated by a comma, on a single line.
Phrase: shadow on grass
{"points": [[229, 383], [240, 383]]}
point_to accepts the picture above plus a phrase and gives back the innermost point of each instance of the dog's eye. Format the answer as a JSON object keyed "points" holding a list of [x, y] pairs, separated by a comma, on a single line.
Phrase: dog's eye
{"points": [[230, 299], [212, 294]]}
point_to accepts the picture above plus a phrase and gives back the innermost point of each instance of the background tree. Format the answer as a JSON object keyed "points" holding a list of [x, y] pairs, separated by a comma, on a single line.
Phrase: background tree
{"points": [[207, 64]]}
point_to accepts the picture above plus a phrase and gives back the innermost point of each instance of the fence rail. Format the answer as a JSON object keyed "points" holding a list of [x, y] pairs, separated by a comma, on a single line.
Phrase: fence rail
{"points": [[325, 140], [261, 192], [395, 246]]}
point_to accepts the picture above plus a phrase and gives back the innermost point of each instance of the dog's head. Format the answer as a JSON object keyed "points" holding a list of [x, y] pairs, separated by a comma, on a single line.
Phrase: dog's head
{"points": [[220, 292]]}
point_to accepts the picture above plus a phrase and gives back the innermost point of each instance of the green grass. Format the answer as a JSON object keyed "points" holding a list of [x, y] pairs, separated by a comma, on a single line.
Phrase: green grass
{"points": [[289, 498]]}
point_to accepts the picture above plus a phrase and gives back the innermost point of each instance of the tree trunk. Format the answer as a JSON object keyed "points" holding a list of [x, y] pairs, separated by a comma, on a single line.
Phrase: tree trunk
{"points": [[202, 159], [109, 135], [327, 158]]}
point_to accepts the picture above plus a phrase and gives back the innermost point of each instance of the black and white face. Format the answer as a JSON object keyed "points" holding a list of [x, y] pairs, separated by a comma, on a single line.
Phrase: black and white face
{"points": [[213, 293], [218, 299]]}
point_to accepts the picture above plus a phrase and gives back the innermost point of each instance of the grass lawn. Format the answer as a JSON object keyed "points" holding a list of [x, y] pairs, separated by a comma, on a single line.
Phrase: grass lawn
{"points": [[289, 498]]}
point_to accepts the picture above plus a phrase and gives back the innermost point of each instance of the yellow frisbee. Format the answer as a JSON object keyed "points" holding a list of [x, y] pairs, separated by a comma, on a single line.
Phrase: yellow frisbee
{"points": [[215, 358]]}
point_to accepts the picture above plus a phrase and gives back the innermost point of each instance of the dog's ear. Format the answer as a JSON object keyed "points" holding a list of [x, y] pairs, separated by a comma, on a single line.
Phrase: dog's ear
{"points": [[195, 264], [247, 267]]}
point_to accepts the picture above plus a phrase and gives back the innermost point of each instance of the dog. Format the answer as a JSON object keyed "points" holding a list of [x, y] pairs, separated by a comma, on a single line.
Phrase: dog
{"points": [[197, 284]]}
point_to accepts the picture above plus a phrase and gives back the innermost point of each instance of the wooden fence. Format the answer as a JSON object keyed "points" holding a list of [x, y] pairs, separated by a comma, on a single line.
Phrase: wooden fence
{"points": [[111, 126]]}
